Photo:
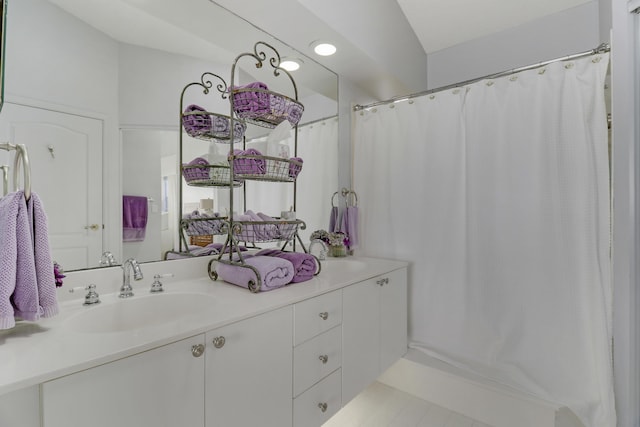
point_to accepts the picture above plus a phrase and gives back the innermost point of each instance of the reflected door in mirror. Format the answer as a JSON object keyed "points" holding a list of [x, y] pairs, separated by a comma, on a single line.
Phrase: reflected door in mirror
{"points": [[65, 153]]}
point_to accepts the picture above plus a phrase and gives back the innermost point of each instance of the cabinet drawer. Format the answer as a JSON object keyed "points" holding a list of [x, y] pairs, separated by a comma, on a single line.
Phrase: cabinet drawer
{"points": [[316, 358], [317, 315], [308, 407]]}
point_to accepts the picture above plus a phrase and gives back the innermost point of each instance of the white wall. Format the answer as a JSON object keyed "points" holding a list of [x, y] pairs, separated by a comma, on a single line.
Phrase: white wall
{"points": [[52, 56], [151, 82], [571, 31], [625, 104]]}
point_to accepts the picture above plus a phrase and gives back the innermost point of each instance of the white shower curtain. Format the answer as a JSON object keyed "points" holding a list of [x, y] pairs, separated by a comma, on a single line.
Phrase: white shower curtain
{"points": [[498, 195]]}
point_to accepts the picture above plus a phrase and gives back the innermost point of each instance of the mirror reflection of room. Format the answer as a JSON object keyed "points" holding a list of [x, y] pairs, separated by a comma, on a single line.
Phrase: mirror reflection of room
{"points": [[109, 107]]}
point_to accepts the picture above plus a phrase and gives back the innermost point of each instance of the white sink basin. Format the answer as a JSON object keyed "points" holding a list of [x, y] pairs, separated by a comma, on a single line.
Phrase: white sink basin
{"points": [[140, 311]]}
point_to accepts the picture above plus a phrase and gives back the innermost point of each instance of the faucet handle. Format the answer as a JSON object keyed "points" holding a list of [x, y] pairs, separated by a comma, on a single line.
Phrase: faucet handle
{"points": [[107, 259], [91, 297], [156, 286]]}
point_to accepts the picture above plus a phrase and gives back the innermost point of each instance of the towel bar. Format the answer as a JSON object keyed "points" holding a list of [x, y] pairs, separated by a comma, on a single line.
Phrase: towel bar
{"points": [[5, 179], [22, 157]]}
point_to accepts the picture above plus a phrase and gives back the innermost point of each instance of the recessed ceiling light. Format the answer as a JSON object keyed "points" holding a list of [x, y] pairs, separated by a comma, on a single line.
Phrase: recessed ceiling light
{"points": [[324, 49], [290, 64]]}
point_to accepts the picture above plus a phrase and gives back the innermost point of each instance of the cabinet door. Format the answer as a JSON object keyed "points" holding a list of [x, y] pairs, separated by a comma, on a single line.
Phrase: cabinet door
{"points": [[393, 317], [249, 375], [161, 387], [360, 337], [20, 408]]}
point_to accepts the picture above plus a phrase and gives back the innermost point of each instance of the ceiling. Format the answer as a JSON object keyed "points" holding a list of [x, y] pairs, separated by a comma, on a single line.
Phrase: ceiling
{"points": [[433, 20], [368, 33]]}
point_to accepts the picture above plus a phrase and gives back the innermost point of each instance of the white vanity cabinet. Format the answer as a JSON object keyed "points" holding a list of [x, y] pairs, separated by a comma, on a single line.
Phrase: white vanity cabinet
{"points": [[374, 329], [248, 372], [317, 358], [163, 387], [288, 358]]}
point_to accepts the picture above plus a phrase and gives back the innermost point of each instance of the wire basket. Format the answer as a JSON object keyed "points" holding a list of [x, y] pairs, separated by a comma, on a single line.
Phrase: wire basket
{"points": [[204, 225], [266, 168], [211, 126], [265, 108], [266, 231], [208, 175]]}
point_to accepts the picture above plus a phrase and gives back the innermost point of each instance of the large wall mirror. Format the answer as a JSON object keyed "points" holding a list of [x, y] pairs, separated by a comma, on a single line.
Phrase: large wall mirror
{"points": [[93, 89]]}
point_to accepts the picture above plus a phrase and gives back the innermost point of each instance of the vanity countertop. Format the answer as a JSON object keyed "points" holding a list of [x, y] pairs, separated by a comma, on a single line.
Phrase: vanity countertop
{"points": [[35, 352]]}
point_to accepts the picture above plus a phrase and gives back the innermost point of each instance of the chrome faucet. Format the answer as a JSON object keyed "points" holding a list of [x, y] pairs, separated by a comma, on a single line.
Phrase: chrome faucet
{"points": [[107, 259], [126, 290], [323, 251]]}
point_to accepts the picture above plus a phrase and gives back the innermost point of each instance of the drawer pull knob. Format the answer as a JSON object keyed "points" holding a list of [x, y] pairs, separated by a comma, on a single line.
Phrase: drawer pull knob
{"points": [[324, 359], [218, 342], [383, 281], [323, 407], [197, 350], [324, 315]]}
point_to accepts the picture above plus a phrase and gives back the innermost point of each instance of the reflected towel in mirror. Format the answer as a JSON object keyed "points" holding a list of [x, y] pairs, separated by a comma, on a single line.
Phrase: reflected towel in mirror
{"points": [[134, 218]]}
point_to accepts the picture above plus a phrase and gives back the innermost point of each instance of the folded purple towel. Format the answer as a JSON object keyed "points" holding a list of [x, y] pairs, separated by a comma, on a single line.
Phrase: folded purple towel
{"points": [[196, 169], [263, 231], [304, 265], [274, 272], [295, 168], [196, 121], [286, 108], [251, 100], [247, 232], [249, 165], [218, 247]]}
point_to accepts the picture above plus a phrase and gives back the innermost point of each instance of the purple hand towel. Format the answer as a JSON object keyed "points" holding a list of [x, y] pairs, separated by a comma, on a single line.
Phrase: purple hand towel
{"points": [[250, 165], [275, 272], [134, 218], [304, 265], [295, 167], [15, 263], [27, 281], [333, 219], [195, 172], [45, 275], [350, 225], [251, 100]]}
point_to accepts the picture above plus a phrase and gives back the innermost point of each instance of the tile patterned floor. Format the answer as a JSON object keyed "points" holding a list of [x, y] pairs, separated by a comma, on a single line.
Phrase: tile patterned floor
{"points": [[383, 406]]}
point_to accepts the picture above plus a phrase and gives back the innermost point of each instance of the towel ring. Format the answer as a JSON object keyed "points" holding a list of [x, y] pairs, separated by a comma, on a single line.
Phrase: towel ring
{"points": [[21, 157], [5, 179], [21, 154], [333, 205], [355, 199]]}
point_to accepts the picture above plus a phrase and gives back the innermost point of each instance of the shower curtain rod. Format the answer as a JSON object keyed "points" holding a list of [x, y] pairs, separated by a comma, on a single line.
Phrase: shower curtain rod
{"points": [[313, 122], [603, 48]]}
